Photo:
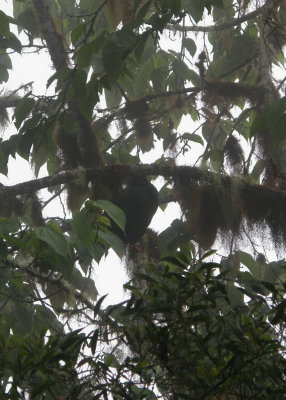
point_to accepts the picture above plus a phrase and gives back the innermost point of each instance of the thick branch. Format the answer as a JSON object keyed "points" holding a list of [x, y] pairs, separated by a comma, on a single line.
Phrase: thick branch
{"points": [[205, 193], [42, 183], [9, 101], [102, 174]]}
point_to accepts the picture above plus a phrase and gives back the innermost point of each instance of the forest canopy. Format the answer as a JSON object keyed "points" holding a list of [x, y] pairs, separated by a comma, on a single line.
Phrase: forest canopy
{"points": [[198, 87]]}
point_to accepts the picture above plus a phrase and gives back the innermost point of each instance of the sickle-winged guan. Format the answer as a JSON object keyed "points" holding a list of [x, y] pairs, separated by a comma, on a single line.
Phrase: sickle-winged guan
{"points": [[139, 201]]}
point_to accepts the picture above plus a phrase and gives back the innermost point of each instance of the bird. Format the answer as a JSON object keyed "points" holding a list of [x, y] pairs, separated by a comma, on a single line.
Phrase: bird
{"points": [[139, 201]]}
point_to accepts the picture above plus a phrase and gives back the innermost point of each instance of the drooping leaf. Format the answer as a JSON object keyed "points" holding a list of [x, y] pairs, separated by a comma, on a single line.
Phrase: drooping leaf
{"points": [[4, 24], [87, 51], [83, 226], [113, 241], [23, 109], [93, 341], [55, 239], [190, 46], [77, 32], [114, 212], [193, 137], [23, 316], [247, 260], [98, 305]]}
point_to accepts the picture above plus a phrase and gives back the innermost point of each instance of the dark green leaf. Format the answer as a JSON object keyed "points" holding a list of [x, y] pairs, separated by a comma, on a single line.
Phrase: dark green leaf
{"points": [[93, 341], [45, 317], [113, 241], [140, 45], [87, 51], [77, 32], [12, 42], [79, 82], [3, 250], [83, 226], [195, 8], [4, 75], [278, 133], [259, 124], [98, 304], [54, 238], [28, 20], [258, 169], [248, 261], [113, 97], [114, 212], [190, 46], [8, 225], [274, 111], [4, 24], [193, 137], [5, 61], [24, 317], [23, 109], [280, 312]]}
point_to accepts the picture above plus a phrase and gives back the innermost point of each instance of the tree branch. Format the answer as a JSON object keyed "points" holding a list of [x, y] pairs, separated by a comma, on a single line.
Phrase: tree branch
{"points": [[123, 171], [53, 39], [41, 183], [9, 101], [87, 141], [218, 28]]}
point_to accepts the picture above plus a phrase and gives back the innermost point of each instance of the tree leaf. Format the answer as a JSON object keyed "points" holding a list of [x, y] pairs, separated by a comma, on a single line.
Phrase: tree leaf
{"points": [[54, 238], [193, 137], [98, 305], [258, 169], [87, 51], [190, 46], [4, 24], [83, 226], [77, 32], [114, 212], [113, 241], [195, 8], [112, 97], [93, 341], [24, 317], [250, 263], [23, 109]]}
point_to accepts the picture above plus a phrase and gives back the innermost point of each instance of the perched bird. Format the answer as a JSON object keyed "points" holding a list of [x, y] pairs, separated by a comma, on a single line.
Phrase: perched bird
{"points": [[139, 201]]}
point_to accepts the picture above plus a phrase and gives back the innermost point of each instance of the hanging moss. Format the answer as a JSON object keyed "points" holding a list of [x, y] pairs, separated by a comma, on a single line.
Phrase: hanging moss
{"points": [[211, 216], [233, 153], [265, 205], [203, 208], [144, 133], [218, 206], [232, 209]]}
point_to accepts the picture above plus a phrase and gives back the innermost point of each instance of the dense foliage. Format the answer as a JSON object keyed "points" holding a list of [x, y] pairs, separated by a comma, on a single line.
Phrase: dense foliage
{"points": [[128, 77]]}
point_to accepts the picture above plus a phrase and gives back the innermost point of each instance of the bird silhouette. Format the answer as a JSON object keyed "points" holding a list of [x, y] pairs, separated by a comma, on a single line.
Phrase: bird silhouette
{"points": [[139, 201]]}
